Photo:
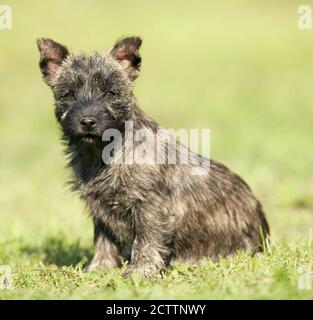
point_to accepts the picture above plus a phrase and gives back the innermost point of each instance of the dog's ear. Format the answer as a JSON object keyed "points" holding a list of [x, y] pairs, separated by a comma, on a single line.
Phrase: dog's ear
{"points": [[126, 52], [52, 54]]}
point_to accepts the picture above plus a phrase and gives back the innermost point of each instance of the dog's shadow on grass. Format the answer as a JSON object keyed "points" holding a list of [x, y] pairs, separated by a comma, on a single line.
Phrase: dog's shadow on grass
{"points": [[60, 252]]}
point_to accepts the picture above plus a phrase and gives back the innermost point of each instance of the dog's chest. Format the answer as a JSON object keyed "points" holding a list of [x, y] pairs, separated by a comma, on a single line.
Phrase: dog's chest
{"points": [[112, 201]]}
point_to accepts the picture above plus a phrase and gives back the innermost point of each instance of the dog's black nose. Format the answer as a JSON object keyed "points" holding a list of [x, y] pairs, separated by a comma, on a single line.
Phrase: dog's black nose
{"points": [[88, 123]]}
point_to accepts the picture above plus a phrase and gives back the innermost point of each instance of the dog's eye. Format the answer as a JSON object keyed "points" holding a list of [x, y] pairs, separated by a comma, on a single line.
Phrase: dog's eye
{"points": [[110, 95], [68, 95]]}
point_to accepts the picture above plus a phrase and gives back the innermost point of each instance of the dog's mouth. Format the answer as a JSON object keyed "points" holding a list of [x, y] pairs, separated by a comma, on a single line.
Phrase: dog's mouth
{"points": [[89, 138]]}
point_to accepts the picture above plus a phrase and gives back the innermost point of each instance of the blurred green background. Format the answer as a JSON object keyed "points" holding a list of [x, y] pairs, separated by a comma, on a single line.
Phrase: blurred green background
{"points": [[241, 68]]}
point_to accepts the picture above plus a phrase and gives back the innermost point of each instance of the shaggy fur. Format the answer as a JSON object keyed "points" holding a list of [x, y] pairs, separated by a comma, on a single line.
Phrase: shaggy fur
{"points": [[147, 213]]}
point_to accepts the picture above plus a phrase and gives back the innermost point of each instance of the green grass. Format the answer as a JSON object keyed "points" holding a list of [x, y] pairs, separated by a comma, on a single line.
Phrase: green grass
{"points": [[244, 70], [269, 276]]}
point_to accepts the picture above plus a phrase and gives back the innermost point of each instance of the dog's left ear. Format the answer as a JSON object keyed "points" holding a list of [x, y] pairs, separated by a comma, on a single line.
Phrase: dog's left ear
{"points": [[52, 55], [126, 52]]}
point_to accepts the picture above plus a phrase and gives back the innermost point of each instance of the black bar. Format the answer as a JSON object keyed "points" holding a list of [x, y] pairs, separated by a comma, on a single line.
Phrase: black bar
{"points": [[150, 309]]}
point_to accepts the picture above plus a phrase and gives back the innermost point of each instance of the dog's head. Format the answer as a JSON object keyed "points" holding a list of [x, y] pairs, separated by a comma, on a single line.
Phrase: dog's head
{"points": [[92, 93]]}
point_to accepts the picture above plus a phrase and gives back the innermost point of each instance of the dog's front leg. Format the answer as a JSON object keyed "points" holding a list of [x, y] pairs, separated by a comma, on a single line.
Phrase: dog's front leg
{"points": [[106, 251], [151, 245]]}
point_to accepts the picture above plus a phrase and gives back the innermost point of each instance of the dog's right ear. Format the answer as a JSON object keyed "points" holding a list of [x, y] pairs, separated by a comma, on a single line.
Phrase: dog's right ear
{"points": [[126, 52], [52, 54]]}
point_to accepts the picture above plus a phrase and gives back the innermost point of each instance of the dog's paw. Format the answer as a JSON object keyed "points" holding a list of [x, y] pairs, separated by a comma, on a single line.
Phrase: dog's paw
{"points": [[148, 272], [92, 267], [100, 264]]}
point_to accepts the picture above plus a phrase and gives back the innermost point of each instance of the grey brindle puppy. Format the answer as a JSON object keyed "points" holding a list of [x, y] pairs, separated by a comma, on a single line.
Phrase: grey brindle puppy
{"points": [[147, 213]]}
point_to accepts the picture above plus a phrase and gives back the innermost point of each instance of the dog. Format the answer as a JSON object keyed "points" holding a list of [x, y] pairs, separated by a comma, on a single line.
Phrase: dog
{"points": [[148, 214]]}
